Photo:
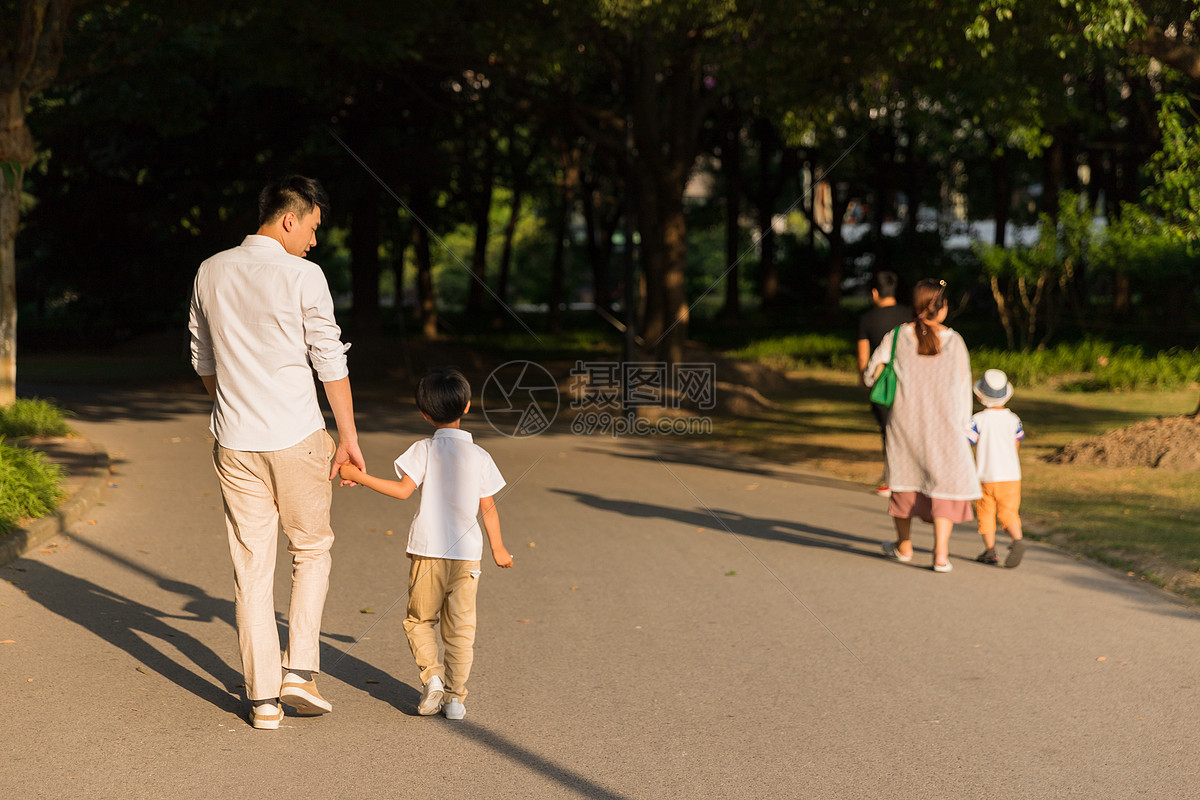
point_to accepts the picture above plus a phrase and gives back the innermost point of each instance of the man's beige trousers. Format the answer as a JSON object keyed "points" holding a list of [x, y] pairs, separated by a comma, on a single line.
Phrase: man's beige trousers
{"points": [[261, 491]]}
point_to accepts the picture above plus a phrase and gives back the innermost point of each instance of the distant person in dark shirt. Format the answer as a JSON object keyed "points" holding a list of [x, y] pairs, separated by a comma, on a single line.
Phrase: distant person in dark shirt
{"points": [[872, 326]]}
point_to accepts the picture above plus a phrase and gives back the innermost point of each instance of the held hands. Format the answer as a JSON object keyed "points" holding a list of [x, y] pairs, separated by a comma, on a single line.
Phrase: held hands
{"points": [[350, 474], [348, 454], [503, 557]]}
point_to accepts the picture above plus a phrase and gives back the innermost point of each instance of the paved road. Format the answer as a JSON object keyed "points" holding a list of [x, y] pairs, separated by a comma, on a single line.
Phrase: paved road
{"points": [[680, 624]]}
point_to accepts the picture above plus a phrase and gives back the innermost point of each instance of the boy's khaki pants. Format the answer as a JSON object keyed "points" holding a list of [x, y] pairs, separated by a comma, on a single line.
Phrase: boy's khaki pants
{"points": [[443, 589], [262, 490]]}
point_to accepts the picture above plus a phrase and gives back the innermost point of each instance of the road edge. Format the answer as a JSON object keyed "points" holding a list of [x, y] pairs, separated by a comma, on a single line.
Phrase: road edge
{"points": [[21, 540]]}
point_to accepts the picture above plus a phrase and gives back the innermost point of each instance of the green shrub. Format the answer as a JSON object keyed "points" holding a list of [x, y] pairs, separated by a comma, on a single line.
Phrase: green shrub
{"points": [[32, 418], [1094, 366], [30, 486], [1090, 365]]}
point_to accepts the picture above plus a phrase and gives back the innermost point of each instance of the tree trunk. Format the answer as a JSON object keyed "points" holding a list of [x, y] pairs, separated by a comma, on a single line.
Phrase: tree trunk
{"points": [[571, 165], [731, 163], [426, 297], [32, 55], [510, 231], [1000, 196], [557, 269], [668, 112], [482, 210], [9, 218], [364, 260], [764, 201], [1052, 172], [837, 251], [884, 156], [600, 231]]}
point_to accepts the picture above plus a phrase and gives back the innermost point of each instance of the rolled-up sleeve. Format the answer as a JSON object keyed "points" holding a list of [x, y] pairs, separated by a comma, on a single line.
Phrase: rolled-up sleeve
{"points": [[203, 360], [322, 336]]}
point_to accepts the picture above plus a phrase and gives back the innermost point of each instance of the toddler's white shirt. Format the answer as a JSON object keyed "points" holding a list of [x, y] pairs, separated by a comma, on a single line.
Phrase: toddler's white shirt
{"points": [[453, 473], [995, 433]]}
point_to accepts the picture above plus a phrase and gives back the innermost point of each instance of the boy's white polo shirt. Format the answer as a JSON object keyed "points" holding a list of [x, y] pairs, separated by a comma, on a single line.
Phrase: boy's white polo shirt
{"points": [[453, 473], [995, 433]]}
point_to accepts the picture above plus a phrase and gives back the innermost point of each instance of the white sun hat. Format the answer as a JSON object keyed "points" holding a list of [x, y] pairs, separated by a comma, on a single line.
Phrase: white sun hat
{"points": [[993, 389]]}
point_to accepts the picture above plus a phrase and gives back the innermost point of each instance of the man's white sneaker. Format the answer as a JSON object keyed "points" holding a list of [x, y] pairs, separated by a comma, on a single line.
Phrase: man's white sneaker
{"points": [[431, 697], [303, 696], [454, 709], [266, 716]]}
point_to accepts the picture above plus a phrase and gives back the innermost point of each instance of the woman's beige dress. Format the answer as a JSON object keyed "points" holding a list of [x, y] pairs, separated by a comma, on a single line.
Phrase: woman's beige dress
{"points": [[927, 447]]}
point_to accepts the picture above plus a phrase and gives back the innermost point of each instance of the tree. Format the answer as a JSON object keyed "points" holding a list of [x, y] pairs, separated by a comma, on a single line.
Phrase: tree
{"points": [[29, 61]]}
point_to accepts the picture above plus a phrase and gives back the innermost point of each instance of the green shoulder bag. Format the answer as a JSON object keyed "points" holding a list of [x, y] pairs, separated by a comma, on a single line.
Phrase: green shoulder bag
{"points": [[884, 391]]}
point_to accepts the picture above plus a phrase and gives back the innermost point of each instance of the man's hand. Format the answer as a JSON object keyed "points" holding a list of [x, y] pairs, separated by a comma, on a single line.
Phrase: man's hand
{"points": [[347, 453]]}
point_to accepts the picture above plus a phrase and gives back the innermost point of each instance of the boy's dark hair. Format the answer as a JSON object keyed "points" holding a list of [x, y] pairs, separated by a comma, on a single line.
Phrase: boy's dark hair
{"points": [[294, 193], [443, 394], [885, 282]]}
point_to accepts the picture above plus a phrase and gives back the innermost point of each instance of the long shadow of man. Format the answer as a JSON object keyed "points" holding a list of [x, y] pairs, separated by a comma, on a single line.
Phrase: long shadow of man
{"points": [[128, 624]]}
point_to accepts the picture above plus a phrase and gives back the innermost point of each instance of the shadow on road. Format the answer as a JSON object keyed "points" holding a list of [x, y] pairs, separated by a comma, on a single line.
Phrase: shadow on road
{"points": [[776, 530], [127, 624], [694, 455]]}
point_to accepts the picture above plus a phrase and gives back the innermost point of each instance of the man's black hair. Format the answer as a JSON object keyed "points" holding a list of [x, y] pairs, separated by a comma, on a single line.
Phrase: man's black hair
{"points": [[294, 193], [885, 282], [443, 394]]}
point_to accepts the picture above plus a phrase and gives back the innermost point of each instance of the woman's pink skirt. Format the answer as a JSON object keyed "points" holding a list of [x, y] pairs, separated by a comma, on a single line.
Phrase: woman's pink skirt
{"points": [[907, 505]]}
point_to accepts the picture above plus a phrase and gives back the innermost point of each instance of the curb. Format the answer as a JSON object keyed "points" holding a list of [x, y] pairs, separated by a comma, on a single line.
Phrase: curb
{"points": [[20, 541]]}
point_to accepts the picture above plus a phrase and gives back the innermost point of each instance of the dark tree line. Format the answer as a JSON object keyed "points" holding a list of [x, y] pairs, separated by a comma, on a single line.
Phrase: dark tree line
{"points": [[163, 121]]}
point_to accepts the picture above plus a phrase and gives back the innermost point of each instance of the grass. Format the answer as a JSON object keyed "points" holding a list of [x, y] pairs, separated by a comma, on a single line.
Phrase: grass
{"points": [[30, 486], [34, 417], [1139, 520]]}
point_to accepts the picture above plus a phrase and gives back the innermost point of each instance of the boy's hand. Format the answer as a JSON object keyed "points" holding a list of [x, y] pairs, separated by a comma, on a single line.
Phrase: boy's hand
{"points": [[503, 557], [350, 474]]}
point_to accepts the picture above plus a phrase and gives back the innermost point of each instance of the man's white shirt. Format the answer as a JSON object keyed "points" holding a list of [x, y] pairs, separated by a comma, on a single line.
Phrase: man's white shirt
{"points": [[261, 321]]}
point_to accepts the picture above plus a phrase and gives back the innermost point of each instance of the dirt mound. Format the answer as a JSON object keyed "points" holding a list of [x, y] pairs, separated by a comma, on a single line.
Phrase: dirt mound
{"points": [[1169, 443]]}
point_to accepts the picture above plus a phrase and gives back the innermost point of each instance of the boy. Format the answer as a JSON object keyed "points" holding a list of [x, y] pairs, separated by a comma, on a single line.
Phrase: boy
{"points": [[458, 479], [997, 433]]}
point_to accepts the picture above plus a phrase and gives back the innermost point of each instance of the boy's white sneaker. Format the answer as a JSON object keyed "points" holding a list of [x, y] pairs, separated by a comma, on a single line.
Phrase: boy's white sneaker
{"points": [[454, 709], [431, 697]]}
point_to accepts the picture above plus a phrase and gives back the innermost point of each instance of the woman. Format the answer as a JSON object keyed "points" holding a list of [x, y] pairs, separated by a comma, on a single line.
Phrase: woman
{"points": [[931, 470]]}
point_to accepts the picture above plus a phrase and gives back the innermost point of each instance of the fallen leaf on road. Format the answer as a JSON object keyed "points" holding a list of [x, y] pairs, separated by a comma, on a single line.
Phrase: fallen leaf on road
{"points": [[520, 620], [141, 669], [366, 611], [1102, 658], [533, 544], [574, 588], [731, 573], [9, 641], [91, 522], [752, 487], [372, 682], [387, 533]]}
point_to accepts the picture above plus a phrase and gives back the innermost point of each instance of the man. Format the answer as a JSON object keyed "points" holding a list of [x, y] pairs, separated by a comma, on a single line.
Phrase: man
{"points": [[260, 316], [872, 327]]}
